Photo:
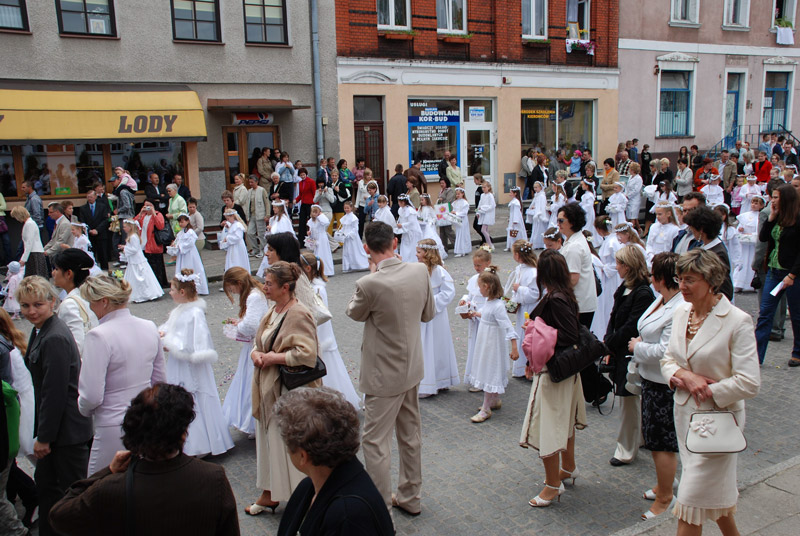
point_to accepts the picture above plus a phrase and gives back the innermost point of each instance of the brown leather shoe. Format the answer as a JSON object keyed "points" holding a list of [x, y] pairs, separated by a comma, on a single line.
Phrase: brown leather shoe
{"points": [[396, 504], [794, 362]]}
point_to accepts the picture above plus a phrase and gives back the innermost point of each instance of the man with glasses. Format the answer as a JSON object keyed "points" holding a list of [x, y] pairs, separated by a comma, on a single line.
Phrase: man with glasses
{"points": [[685, 241]]}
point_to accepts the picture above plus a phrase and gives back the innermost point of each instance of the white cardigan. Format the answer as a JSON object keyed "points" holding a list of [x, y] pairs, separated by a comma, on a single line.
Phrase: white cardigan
{"points": [[31, 239], [655, 328]]}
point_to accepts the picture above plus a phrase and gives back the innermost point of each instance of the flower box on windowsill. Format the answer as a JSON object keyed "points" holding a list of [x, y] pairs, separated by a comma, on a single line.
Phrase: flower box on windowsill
{"points": [[402, 35], [455, 38], [581, 45], [536, 43]]}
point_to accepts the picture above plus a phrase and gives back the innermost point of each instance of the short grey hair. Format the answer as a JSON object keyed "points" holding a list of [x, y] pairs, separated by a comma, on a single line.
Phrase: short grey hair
{"points": [[171, 186], [704, 263], [275, 174], [321, 422]]}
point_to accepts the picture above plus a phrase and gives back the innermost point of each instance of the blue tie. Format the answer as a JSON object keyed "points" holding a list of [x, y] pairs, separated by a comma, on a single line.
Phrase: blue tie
{"points": [[693, 244], [92, 207]]}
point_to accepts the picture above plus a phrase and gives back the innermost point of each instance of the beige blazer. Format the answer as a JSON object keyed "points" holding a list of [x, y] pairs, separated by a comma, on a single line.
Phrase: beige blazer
{"points": [[62, 234], [392, 302], [259, 203], [724, 349]]}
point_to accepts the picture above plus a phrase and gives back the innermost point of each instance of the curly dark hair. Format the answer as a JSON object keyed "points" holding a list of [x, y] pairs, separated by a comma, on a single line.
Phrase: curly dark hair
{"points": [[286, 246], [575, 215], [155, 423], [704, 220], [321, 422]]}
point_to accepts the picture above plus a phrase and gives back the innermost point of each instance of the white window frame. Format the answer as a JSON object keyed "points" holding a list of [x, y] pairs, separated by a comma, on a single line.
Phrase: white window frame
{"points": [[742, 96], [587, 16], [693, 11], [793, 13], [392, 25], [451, 31], [685, 63], [744, 9], [533, 20], [775, 68]]}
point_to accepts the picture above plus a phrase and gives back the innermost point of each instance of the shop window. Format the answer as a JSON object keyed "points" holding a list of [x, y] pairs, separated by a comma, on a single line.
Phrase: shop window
{"points": [[433, 128], [13, 15], [8, 181], [578, 19], [265, 22], [736, 14], [557, 124], [86, 17], [451, 16], [477, 111], [534, 19], [63, 169], [394, 14], [367, 109], [195, 20], [685, 13], [784, 11], [675, 103], [139, 159], [776, 101]]}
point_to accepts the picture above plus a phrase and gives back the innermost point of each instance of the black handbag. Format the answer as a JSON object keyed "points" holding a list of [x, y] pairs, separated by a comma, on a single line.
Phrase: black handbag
{"points": [[294, 377], [165, 236], [573, 359], [756, 282]]}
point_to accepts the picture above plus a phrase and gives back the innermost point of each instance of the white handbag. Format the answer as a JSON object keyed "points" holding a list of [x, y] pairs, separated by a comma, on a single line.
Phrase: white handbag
{"points": [[714, 432]]}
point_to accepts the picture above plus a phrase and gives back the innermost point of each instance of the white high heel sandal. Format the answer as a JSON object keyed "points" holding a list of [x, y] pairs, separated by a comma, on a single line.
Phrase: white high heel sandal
{"points": [[538, 502], [650, 494]]}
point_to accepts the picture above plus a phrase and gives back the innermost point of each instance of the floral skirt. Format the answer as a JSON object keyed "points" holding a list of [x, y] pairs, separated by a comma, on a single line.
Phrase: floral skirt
{"points": [[658, 423]]}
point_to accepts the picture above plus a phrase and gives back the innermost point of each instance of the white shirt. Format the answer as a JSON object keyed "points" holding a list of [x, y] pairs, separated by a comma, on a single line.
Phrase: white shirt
{"points": [[579, 261]]}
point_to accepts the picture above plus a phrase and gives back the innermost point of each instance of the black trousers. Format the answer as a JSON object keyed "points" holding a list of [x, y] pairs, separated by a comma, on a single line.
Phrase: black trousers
{"points": [[21, 485], [100, 247], [595, 385], [54, 474], [156, 262], [362, 218], [303, 216], [477, 227]]}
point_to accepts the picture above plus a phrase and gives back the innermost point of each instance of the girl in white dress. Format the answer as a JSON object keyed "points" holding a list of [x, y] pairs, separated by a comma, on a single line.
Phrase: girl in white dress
{"points": [[280, 222], [232, 241], [427, 222], [663, 231], [747, 193], [438, 353], [481, 260], [557, 200], [144, 285], [729, 235], [190, 353], [633, 191], [628, 236], [490, 367], [663, 194], [587, 204], [609, 277], [408, 225], [463, 230], [617, 204], [15, 275], [354, 258], [237, 406], [515, 220], [318, 231], [553, 239], [713, 191], [748, 238], [538, 216], [188, 257], [736, 200], [384, 213], [81, 241], [521, 287], [337, 376], [485, 210]]}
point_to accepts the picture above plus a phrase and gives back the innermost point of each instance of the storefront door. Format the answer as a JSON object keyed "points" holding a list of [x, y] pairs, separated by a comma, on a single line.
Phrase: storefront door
{"points": [[479, 145], [243, 146]]}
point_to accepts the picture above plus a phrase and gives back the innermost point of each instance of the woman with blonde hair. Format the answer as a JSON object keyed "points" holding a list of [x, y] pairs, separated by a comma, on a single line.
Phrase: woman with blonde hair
{"points": [[237, 406], [287, 335], [631, 299], [33, 259], [121, 356]]}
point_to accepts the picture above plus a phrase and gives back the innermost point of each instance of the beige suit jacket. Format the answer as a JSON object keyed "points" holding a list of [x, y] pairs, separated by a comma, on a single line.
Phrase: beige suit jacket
{"points": [[724, 349], [392, 302], [259, 203], [62, 234]]}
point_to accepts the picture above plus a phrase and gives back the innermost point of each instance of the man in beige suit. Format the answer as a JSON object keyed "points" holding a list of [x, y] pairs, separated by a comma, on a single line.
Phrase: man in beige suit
{"points": [[62, 233], [392, 301], [259, 216]]}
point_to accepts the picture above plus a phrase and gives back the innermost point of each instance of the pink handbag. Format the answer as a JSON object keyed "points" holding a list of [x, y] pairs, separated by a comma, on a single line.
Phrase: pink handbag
{"points": [[539, 344]]}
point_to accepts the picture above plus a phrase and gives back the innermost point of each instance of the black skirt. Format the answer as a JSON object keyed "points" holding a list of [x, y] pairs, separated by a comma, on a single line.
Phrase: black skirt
{"points": [[658, 422], [36, 265]]}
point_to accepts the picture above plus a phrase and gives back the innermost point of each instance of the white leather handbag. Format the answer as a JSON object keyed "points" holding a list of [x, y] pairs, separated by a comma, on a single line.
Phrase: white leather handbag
{"points": [[714, 432]]}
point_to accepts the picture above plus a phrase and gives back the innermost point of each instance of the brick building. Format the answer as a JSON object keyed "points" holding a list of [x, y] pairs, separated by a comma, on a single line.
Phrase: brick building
{"points": [[484, 80]]}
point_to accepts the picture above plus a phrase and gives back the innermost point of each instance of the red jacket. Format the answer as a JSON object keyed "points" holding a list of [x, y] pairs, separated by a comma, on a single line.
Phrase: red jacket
{"points": [[701, 174], [156, 222], [762, 169], [307, 188]]}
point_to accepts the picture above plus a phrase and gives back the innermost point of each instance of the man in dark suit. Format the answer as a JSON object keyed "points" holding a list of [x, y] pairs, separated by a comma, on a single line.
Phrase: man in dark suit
{"points": [[153, 190], [183, 190], [62, 433], [396, 188], [95, 215]]}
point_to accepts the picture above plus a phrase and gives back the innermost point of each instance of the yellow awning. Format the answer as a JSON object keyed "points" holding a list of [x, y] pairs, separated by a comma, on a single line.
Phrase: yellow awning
{"points": [[99, 116]]}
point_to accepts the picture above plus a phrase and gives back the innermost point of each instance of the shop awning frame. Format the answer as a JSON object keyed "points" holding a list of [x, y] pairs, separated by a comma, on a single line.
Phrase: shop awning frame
{"points": [[35, 112], [246, 105]]}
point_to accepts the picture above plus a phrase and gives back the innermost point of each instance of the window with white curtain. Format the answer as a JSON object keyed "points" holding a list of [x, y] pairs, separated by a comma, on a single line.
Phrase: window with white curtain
{"points": [[685, 12], [534, 19], [578, 12], [13, 15], [451, 16], [394, 14], [736, 13]]}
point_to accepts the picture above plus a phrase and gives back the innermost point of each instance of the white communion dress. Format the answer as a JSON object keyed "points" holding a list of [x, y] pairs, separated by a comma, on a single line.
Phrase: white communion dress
{"points": [[463, 245], [232, 241], [354, 258], [438, 353], [276, 225], [490, 360], [190, 352], [527, 296], [515, 223], [189, 258], [412, 233], [319, 232], [144, 285]]}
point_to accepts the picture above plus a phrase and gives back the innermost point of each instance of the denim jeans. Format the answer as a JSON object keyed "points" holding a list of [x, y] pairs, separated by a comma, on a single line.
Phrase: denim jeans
{"points": [[769, 305]]}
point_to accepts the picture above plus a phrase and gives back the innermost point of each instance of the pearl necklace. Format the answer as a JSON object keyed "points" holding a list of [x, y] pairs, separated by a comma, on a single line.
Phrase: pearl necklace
{"points": [[694, 324]]}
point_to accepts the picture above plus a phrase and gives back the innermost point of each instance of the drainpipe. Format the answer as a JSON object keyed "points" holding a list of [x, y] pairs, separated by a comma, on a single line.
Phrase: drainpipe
{"points": [[313, 8]]}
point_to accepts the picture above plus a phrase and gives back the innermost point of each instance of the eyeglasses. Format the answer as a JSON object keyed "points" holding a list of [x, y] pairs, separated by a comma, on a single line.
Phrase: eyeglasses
{"points": [[561, 220], [687, 280]]}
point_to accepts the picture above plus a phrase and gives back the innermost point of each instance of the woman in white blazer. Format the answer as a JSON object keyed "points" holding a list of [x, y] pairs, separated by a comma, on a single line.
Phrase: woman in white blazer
{"points": [[712, 362], [658, 425]]}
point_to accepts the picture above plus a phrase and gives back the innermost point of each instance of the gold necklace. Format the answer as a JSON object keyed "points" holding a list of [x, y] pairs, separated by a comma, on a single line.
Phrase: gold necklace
{"points": [[694, 324]]}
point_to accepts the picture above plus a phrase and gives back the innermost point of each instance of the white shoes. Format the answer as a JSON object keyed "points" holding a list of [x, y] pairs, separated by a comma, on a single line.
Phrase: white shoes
{"points": [[650, 494], [538, 502]]}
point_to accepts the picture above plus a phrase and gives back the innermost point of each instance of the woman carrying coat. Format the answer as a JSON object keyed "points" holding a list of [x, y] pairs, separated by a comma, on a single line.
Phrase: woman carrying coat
{"points": [[712, 363], [658, 424], [631, 299]]}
